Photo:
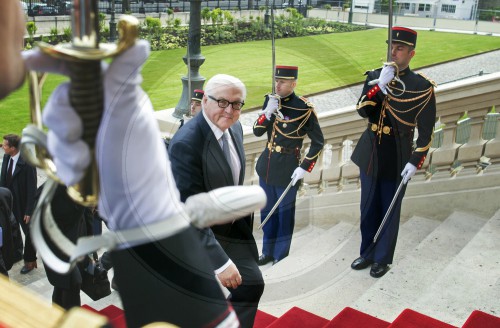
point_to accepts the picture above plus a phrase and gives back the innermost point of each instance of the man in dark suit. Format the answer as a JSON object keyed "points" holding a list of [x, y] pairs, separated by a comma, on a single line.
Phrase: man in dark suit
{"points": [[207, 153], [20, 178], [396, 101], [6, 222]]}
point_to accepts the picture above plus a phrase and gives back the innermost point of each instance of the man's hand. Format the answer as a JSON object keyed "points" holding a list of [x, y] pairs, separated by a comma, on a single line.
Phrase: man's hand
{"points": [[408, 172], [386, 76], [297, 175], [230, 277], [272, 106]]}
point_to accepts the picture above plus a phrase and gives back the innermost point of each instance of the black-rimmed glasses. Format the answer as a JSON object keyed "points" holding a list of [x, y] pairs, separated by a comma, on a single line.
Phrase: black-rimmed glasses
{"points": [[223, 103]]}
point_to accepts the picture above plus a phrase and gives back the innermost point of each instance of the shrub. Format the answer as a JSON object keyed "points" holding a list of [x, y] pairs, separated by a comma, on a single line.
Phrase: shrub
{"points": [[54, 35], [67, 34], [31, 28]]}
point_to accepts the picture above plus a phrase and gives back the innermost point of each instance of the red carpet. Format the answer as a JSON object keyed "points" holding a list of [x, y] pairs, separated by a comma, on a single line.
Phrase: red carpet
{"points": [[263, 319], [347, 318], [298, 318], [115, 315], [351, 318], [411, 319], [479, 319]]}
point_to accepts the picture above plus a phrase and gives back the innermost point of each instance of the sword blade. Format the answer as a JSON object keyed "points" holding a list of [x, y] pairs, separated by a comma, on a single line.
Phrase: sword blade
{"points": [[276, 205], [386, 216], [389, 37], [273, 48]]}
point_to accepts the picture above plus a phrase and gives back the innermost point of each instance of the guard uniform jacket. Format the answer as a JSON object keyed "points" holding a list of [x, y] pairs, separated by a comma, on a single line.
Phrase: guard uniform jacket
{"points": [[388, 142], [285, 136]]}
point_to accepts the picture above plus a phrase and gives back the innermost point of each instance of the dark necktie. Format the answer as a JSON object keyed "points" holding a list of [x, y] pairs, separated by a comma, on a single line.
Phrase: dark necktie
{"points": [[227, 153], [9, 172]]}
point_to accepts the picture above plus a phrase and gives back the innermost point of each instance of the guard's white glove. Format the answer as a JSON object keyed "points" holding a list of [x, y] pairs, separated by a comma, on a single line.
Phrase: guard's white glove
{"points": [[272, 107], [408, 172], [297, 175], [136, 182], [386, 76]]}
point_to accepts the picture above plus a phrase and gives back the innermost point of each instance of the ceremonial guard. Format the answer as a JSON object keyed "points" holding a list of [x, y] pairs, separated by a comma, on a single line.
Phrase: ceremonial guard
{"points": [[287, 119], [396, 101], [194, 107]]}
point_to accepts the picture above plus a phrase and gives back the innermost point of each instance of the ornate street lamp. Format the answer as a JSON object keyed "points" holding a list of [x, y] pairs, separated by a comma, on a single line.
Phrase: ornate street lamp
{"points": [[193, 59]]}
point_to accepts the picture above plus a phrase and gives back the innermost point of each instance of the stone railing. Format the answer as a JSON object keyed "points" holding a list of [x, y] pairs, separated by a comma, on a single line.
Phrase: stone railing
{"points": [[466, 139]]}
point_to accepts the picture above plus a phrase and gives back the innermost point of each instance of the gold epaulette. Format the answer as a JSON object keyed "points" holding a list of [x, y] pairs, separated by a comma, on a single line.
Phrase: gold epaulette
{"points": [[307, 102], [430, 81], [371, 70]]}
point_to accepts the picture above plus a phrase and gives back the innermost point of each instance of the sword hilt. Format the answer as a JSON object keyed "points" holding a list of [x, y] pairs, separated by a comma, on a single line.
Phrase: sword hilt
{"points": [[87, 98]]}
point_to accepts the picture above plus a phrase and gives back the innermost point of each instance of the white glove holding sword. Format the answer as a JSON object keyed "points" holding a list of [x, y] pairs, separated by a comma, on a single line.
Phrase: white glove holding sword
{"points": [[272, 106], [386, 75]]}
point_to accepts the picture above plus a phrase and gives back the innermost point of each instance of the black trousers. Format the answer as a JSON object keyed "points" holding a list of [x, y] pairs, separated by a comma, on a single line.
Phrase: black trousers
{"points": [[29, 249], [245, 298], [171, 281], [66, 298], [3, 269]]}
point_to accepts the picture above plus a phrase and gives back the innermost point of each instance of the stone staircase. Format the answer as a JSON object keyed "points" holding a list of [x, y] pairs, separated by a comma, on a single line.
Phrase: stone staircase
{"points": [[441, 269]]}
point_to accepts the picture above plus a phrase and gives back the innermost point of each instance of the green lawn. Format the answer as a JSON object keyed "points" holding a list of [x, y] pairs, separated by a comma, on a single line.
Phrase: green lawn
{"points": [[325, 62]]}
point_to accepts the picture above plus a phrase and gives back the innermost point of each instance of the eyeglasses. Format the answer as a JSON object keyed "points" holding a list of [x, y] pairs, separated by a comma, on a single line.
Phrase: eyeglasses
{"points": [[223, 103]]}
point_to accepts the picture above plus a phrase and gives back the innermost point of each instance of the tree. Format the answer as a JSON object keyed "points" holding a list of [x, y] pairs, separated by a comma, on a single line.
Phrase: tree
{"points": [[328, 8]]}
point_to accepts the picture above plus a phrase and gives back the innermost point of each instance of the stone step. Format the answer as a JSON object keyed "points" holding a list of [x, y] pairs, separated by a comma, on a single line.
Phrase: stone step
{"points": [[321, 248], [328, 288], [471, 281], [301, 237], [412, 276]]}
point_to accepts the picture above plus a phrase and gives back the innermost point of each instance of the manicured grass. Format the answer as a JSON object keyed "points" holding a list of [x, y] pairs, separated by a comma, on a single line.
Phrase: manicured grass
{"points": [[325, 62]]}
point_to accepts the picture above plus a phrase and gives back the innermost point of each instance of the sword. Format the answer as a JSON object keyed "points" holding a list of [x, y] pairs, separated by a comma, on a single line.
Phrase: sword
{"points": [[276, 205], [273, 49], [389, 37], [190, 93], [386, 216], [86, 92]]}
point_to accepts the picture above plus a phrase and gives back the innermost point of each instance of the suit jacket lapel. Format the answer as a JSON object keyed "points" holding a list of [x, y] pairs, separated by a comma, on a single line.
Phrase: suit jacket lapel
{"points": [[19, 166]]}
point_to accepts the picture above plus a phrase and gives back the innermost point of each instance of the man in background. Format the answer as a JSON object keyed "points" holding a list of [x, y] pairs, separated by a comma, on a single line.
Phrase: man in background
{"points": [[20, 178], [196, 101]]}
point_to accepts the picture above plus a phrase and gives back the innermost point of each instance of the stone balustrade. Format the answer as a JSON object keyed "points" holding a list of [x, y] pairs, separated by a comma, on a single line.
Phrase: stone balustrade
{"points": [[467, 137]]}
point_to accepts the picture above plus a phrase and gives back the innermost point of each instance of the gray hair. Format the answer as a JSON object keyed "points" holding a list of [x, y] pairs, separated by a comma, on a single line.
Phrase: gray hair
{"points": [[224, 80]]}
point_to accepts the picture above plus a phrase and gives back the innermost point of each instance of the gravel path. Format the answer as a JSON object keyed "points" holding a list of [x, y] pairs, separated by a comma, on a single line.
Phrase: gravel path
{"points": [[443, 73]]}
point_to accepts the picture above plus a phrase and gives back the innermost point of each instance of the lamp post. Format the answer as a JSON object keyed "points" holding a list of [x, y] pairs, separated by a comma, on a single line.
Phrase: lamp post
{"points": [[436, 7], [350, 12], [266, 15], [112, 23], [476, 15], [193, 80]]}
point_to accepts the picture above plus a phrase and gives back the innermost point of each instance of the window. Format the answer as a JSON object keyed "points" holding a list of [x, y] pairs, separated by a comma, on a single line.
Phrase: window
{"points": [[424, 7], [405, 5], [448, 8]]}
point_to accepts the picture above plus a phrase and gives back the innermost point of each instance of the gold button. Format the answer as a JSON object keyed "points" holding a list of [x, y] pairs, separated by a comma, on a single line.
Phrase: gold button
{"points": [[374, 127], [386, 129], [278, 149]]}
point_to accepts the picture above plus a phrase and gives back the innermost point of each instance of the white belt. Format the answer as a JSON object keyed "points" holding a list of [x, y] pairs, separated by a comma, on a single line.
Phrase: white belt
{"points": [[203, 210]]}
